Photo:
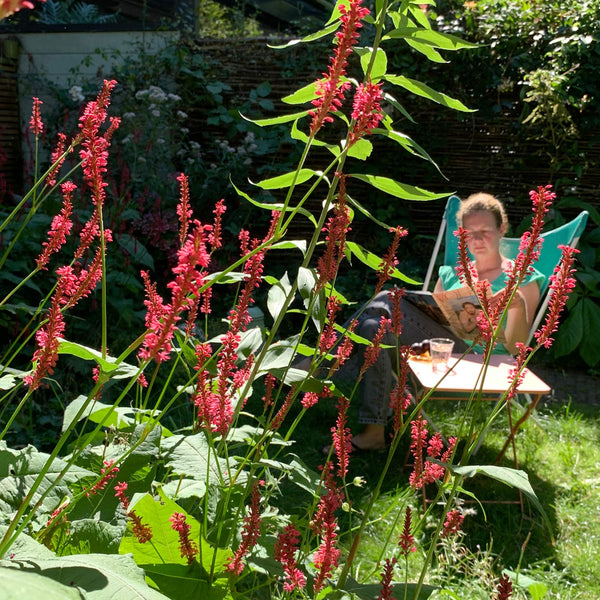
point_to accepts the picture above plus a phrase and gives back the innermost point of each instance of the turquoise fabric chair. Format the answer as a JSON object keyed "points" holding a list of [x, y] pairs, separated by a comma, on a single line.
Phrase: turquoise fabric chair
{"points": [[567, 234]]}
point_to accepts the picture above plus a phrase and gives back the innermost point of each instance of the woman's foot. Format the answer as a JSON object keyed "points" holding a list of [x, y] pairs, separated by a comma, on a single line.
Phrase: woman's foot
{"points": [[372, 438]]}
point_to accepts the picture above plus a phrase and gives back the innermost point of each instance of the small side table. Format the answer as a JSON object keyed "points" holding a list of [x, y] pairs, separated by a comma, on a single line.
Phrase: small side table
{"points": [[465, 376]]}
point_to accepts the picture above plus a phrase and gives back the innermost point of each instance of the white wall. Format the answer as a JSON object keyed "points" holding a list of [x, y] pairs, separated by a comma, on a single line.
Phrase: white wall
{"points": [[53, 55]]}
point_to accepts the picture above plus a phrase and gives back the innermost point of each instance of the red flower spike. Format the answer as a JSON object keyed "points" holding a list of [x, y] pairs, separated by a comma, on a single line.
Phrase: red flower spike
{"points": [[35, 124], [330, 90], [335, 231], [60, 227], [342, 436], [285, 552], [453, 523], [389, 261], [325, 525], [387, 577], [562, 284], [407, 540], [504, 588], [366, 110], [188, 549], [372, 352], [184, 212], [250, 532]]}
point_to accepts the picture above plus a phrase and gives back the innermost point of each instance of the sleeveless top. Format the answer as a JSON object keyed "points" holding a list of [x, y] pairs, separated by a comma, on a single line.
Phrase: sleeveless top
{"points": [[450, 281]]}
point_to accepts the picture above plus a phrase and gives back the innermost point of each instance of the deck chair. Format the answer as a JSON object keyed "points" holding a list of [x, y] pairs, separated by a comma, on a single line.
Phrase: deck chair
{"points": [[550, 256], [567, 234]]}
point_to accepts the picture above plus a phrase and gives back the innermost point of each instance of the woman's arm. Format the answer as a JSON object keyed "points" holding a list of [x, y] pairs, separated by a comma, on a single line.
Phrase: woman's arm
{"points": [[520, 315]]}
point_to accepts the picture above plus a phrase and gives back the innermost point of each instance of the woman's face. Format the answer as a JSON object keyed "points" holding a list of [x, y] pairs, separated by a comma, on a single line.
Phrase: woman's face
{"points": [[483, 234]]}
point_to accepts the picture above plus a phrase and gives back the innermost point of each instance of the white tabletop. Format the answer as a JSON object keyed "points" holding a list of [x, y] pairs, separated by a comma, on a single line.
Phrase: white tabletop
{"points": [[465, 375]]}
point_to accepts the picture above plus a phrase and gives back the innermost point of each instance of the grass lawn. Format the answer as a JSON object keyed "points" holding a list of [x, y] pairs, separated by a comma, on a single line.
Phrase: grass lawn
{"points": [[559, 448]]}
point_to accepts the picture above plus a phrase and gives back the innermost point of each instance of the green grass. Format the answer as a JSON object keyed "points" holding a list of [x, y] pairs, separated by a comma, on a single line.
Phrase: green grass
{"points": [[560, 451]]}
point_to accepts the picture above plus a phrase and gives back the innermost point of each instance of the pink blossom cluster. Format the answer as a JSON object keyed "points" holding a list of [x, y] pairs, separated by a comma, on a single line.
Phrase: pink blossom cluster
{"points": [[187, 547], [425, 470], [250, 531], [324, 524], [331, 89], [285, 552]]}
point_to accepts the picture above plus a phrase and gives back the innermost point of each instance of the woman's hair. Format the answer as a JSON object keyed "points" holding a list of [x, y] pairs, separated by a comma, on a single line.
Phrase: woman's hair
{"points": [[482, 202]]}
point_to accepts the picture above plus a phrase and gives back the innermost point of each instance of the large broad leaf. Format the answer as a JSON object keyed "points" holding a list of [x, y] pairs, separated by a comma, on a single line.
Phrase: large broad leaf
{"points": [[397, 189], [135, 248], [277, 295], [374, 261], [590, 344], [28, 585], [90, 535], [379, 67], [161, 557], [98, 412], [108, 364], [571, 332], [399, 590], [423, 90], [99, 576], [190, 455], [514, 478], [19, 469]]}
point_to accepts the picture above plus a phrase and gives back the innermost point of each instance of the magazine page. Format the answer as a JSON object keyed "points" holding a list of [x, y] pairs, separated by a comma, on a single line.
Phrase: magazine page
{"points": [[460, 308], [427, 303]]}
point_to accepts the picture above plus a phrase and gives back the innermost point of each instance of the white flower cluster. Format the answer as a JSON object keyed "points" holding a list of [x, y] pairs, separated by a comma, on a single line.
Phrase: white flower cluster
{"points": [[76, 93]]}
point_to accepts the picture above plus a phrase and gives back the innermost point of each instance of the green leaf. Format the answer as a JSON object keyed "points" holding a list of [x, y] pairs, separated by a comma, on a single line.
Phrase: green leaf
{"points": [[135, 248], [590, 344], [98, 536], [380, 63], [17, 584], [277, 296], [571, 332], [407, 143], [98, 412], [284, 181], [100, 576], [108, 364], [161, 558], [191, 455], [278, 120], [303, 95], [185, 488], [361, 149], [426, 50], [423, 90], [435, 39], [399, 190], [309, 38], [374, 261], [20, 468], [514, 478], [399, 590]]}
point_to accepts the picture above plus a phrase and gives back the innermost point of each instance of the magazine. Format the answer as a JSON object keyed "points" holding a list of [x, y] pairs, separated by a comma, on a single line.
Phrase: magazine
{"points": [[456, 309]]}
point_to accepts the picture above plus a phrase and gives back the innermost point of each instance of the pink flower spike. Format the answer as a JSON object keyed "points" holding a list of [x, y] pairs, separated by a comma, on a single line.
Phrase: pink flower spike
{"points": [[184, 212], [187, 548], [330, 90], [285, 553], [60, 227], [562, 283], [453, 523], [35, 124], [366, 111]]}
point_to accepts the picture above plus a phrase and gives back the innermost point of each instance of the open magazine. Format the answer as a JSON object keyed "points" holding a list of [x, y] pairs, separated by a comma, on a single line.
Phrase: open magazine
{"points": [[456, 309]]}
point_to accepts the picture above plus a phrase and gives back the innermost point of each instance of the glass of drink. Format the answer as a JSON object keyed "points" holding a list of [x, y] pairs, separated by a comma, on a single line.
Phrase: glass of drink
{"points": [[440, 350]]}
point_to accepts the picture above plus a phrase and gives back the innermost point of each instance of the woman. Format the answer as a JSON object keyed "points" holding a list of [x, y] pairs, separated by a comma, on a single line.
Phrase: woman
{"points": [[484, 218]]}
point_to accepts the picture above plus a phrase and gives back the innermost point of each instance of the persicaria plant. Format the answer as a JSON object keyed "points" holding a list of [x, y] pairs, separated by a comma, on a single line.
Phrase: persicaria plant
{"points": [[158, 507]]}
